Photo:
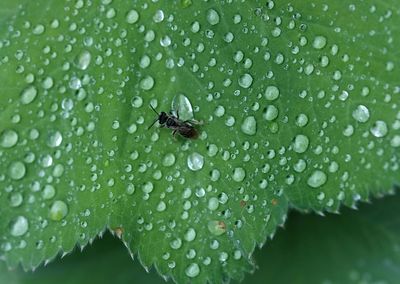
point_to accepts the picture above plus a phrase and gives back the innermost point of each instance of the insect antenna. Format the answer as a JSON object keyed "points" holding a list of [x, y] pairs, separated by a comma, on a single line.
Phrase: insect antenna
{"points": [[155, 119]]}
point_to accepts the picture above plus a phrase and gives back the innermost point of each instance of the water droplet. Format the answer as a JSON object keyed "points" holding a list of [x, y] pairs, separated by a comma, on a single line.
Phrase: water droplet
{"points": [[132, 17], [17, 170], [192, 270], [395, 142], [190, 235], [48, 192], [212, 17], [379, 129], [213, 203], [271, 93], [82, 61], [28, 95], [301, 120], [137, 101], [271, 113], [195, 161], [16, 199], [147, 83], [245, 80], [300, 143], [317, 179], [58, 210], [168, 160], [216, 228], [19, 226], [181, 105], [8, 138], [55, 138], [249, 125], [319, 42], [238, 174], [361, 113]]}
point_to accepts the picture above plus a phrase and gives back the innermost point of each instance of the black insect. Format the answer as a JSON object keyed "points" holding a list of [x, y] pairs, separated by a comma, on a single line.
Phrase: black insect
{"points": [[184, 128]]}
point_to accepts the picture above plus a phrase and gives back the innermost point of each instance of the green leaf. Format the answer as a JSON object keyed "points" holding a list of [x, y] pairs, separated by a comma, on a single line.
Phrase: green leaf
{"points": [[361, 246], [299, 104]]}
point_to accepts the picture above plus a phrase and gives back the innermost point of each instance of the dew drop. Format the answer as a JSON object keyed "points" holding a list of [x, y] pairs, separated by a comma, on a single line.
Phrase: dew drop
{"points": [[249, 125], [195, 161], [147, 83], [300, 143], [28, 95], [190, 235], [212, 17], [317, 179], [361, 113], [16, 199], [19, 226], [54, 139], [319, 42], [192, 270], [137, 102], [271, 113], [245, 80], [238, 174], [82, 61], [213, 203], [132, 17], [58, 210], [379, 129], [8, 138], [48, 192], [181, 105], [271, 93], [216, 228], [17, 170]]}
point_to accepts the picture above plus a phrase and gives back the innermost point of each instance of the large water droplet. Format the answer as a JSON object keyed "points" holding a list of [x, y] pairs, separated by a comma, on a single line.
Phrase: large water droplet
{"points": [[300, 143], [245, 80], [132, 17], [58, 210], [361, 113], [28, 95], [147, 83], [238, 174], [212, 17], [319, 42], [8, 138], [82, 61], [379, 129], [249, 125], [317, 179], [181, 106], [195, 161], [271, 93], [54, 139], [17, 170], [19, 226], [168, 160], [216, 228], [192, 270]]}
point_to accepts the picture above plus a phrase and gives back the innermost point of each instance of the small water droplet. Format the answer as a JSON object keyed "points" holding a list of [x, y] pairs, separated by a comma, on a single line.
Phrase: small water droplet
{"points": [[317, 179], [216, 228], [192, 270], [379, 129], [8, 138], [82, 61], [55, 138], [319, 42], [245, 80], [238, 174], [271, 93], [28, 95], [147, 83], [300, 143], [212, 17], [58, 210], [132, 17], [190, 235], [195, 161], [249, 125], [17, 170], [19, 226], [361, 113]]}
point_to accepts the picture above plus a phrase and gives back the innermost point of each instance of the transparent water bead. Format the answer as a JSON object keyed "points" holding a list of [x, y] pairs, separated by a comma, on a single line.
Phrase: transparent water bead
{"points": [[181, 106], [192, 270], [195, 161], [8, 138], [361, 113], [19, 226], [317, 179], [212, 17], [58, 210], [379, 129], [249, 125]]}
